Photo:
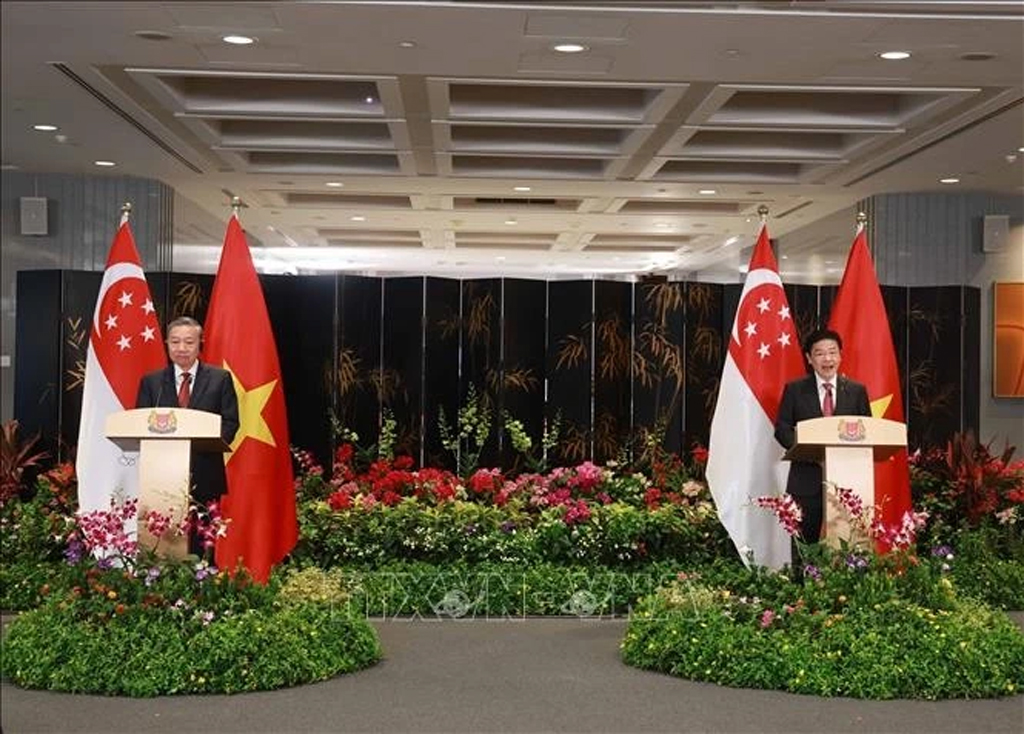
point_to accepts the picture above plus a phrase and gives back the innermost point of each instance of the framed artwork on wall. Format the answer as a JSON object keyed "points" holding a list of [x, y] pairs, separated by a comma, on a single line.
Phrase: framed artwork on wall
{"points": [[1008, 340]]}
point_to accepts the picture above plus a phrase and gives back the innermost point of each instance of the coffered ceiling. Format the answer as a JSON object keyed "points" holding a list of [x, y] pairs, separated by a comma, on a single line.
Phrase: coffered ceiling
{"points": [[451, 138]]}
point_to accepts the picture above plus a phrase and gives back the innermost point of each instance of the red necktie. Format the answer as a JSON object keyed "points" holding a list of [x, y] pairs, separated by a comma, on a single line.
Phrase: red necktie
{"points": [[827, 406], [184, 393]]}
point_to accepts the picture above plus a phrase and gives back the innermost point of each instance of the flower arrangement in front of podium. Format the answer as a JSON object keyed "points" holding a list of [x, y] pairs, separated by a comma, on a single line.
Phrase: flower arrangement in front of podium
{"points": [[841, 621], [125, 620]]}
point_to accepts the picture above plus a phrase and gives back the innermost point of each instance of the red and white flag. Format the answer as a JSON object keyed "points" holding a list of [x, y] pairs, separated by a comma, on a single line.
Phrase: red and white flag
{"points": [[124, 344], [744, 459]]}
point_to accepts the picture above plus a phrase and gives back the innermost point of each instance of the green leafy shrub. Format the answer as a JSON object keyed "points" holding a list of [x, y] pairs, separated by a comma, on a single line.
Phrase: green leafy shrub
{"points": [[459, 590], [150, 652], [889, 629]]}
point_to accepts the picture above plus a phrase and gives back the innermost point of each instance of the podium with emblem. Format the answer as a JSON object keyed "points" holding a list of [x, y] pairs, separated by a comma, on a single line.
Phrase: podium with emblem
{"points": [[847, 446], [164, 438]]}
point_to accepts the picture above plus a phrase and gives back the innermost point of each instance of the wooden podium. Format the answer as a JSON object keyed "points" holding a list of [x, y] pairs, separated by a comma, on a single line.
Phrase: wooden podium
{"points": [[164, 438], [847, 446]]}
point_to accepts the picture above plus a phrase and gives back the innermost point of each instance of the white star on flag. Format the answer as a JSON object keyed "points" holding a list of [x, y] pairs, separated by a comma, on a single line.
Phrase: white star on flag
{"points": [[744, 459], [113, 369], [148, 334]]}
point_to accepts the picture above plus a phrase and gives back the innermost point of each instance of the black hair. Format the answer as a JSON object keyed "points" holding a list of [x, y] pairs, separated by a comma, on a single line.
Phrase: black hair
{"points": [[819, 335]]}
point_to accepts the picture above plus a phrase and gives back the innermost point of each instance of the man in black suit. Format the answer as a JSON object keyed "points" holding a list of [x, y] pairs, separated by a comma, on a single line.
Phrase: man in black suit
{"points": [[189, 383], [823, 392]]}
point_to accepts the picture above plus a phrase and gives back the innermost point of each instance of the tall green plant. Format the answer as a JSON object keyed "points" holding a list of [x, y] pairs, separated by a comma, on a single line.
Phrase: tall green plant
{"points": [[465, 441]]}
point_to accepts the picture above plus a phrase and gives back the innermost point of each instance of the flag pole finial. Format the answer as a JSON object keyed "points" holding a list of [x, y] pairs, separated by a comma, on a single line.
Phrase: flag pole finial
{"points": [[237, 204], [126, 209], [762, 212], [862, 219]]}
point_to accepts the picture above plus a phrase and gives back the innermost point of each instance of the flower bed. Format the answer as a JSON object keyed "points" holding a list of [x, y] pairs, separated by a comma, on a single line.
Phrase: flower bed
{"points": [[870, 631], [854, 623], [584, 515], [185, 633], [134, 623]]}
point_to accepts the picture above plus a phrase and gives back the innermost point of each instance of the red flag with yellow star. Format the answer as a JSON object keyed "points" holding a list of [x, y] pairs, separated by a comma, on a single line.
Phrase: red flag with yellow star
{"points": [[858, 314], [260, 502]]}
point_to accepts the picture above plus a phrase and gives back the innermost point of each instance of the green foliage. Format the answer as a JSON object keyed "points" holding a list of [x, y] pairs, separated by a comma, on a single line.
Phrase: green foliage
{"points": [[151, 652], [895, 629], [615, 535], [465, 441], [467, 590], [522, 443]]}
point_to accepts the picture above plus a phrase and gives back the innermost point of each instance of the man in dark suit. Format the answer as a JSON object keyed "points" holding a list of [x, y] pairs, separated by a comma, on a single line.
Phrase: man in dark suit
{"points": [[189, 383], [823, 392]]}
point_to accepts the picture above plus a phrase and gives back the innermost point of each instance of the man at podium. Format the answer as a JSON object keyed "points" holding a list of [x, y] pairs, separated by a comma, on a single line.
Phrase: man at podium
{"points": [[189, 383], [824, 392]]}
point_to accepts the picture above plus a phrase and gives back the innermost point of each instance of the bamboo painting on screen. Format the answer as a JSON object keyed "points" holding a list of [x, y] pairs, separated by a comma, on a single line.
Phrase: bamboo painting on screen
{"points": [[1008, 341]]}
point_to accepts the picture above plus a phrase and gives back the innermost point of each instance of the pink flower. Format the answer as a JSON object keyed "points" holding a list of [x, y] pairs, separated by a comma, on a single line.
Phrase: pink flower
{"points": [[786, 511], [767, 618], [588, 476]]}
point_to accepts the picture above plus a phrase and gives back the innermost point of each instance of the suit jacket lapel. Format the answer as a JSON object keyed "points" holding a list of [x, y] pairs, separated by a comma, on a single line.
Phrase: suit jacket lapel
{"points": [[167, 394], [811, 396], [202, 383]]}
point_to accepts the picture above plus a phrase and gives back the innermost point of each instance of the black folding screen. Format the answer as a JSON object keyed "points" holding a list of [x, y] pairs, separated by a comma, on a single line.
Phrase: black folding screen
{"points": [[619, 366]]}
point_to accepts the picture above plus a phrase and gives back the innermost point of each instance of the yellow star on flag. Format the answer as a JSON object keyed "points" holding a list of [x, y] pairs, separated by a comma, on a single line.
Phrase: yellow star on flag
{"points": [[878, 407], [250, 412]]}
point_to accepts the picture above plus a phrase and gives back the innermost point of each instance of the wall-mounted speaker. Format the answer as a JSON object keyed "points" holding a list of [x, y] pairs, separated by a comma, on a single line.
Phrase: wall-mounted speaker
{"points": [[995, 233], [33, 215]]}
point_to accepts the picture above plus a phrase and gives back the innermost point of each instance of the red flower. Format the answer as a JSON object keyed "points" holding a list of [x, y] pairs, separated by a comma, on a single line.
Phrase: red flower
{"points": [[699, 454], [652, 498], [344, 454], [339, 501], [403, 463]]}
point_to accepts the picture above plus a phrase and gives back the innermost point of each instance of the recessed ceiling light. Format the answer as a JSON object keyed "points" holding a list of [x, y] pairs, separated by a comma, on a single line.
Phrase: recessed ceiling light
{"points": [[569, 48], [894, 55], [500, 258], [731, 241], [521, 188], [105, 164], [237, 40], [1020, 149], [407, 44], [949, 180], [369, 99], [707, 192], [358, 218], [661, 225], [334, 184], [510, 221], [45, 128]]}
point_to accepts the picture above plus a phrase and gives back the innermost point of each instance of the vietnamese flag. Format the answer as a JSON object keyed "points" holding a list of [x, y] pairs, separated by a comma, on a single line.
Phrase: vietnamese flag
{"points": [[858, 314], [260, 502]]}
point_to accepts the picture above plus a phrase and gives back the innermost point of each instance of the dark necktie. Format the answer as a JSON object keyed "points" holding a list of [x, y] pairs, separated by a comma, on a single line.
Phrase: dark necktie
{"points": [[828, 407], [183, 392]]}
